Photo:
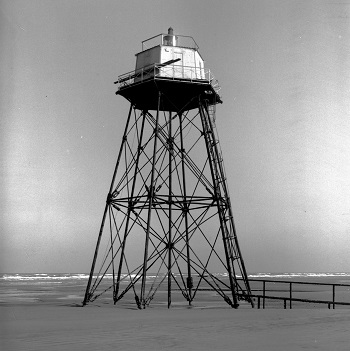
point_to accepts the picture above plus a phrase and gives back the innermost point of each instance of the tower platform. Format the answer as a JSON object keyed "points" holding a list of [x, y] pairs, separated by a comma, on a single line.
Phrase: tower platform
{"points": [[181, 94]]}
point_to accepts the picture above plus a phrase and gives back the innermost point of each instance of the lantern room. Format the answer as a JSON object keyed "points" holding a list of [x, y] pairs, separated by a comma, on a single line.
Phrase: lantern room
{"points": [[169, 56], [171, 65]]}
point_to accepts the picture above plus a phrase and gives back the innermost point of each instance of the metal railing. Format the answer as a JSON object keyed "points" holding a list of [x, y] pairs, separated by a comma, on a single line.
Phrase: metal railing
{"points": [[170, 72], [287, 295], [183, 41]]}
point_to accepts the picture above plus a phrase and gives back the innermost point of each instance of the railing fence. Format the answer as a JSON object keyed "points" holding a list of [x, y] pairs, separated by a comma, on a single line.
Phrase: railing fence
{"points": [[287, 294]]}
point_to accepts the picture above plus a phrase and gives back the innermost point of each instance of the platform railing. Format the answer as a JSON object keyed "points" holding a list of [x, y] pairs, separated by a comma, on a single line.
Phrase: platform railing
{"points": [[170, 72], [288, 293]]}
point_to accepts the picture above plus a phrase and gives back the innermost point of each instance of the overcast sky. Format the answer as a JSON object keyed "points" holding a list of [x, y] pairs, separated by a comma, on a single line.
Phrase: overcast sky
{"points": [[284, 126]]}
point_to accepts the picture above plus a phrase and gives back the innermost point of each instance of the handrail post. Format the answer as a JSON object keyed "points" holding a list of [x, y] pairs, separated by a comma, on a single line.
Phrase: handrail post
{"points": [[264, 294], [333, 296], [290, 295]]}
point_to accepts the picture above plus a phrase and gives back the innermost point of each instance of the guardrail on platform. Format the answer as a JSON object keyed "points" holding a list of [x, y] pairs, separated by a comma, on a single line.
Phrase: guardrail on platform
{"points": [[171, 72]]}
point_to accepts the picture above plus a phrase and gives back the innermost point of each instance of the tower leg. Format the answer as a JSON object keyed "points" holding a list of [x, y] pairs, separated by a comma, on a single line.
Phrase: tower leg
{"points": [[87, 292], [150, 203], [170, 224], [130, 209], [189, 282]]}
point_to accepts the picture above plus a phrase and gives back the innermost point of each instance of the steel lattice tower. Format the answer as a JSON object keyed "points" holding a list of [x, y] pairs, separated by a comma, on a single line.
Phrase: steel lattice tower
{"points": [[167, 228]]}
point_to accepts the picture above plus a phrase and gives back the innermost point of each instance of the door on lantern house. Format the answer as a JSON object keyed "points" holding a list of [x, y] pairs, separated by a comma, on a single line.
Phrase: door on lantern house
{"points": [[178, 67]]}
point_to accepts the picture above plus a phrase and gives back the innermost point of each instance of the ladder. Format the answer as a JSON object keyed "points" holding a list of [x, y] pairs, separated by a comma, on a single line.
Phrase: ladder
{"points": [[222, 198]]}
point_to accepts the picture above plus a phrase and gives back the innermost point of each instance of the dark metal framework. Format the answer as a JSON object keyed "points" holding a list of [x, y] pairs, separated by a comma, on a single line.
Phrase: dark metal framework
{"points": [[167, 228]]}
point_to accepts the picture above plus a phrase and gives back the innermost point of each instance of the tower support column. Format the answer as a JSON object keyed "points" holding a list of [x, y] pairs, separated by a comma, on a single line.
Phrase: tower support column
{"points": [[170, 223], [151, 193], [87, 291], [189, 281]]}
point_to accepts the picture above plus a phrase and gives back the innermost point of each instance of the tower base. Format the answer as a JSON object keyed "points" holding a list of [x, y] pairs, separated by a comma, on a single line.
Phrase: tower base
{"points": [[167, 234]]}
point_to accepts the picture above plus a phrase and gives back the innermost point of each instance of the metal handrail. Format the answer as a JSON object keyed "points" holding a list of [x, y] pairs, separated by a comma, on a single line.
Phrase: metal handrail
{"points": [[178, 72], [185, 41], [263, 297]]}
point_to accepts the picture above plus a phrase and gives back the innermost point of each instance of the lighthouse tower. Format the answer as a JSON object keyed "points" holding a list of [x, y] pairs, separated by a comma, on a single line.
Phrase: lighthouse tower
{"points": [[167, 234]]}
